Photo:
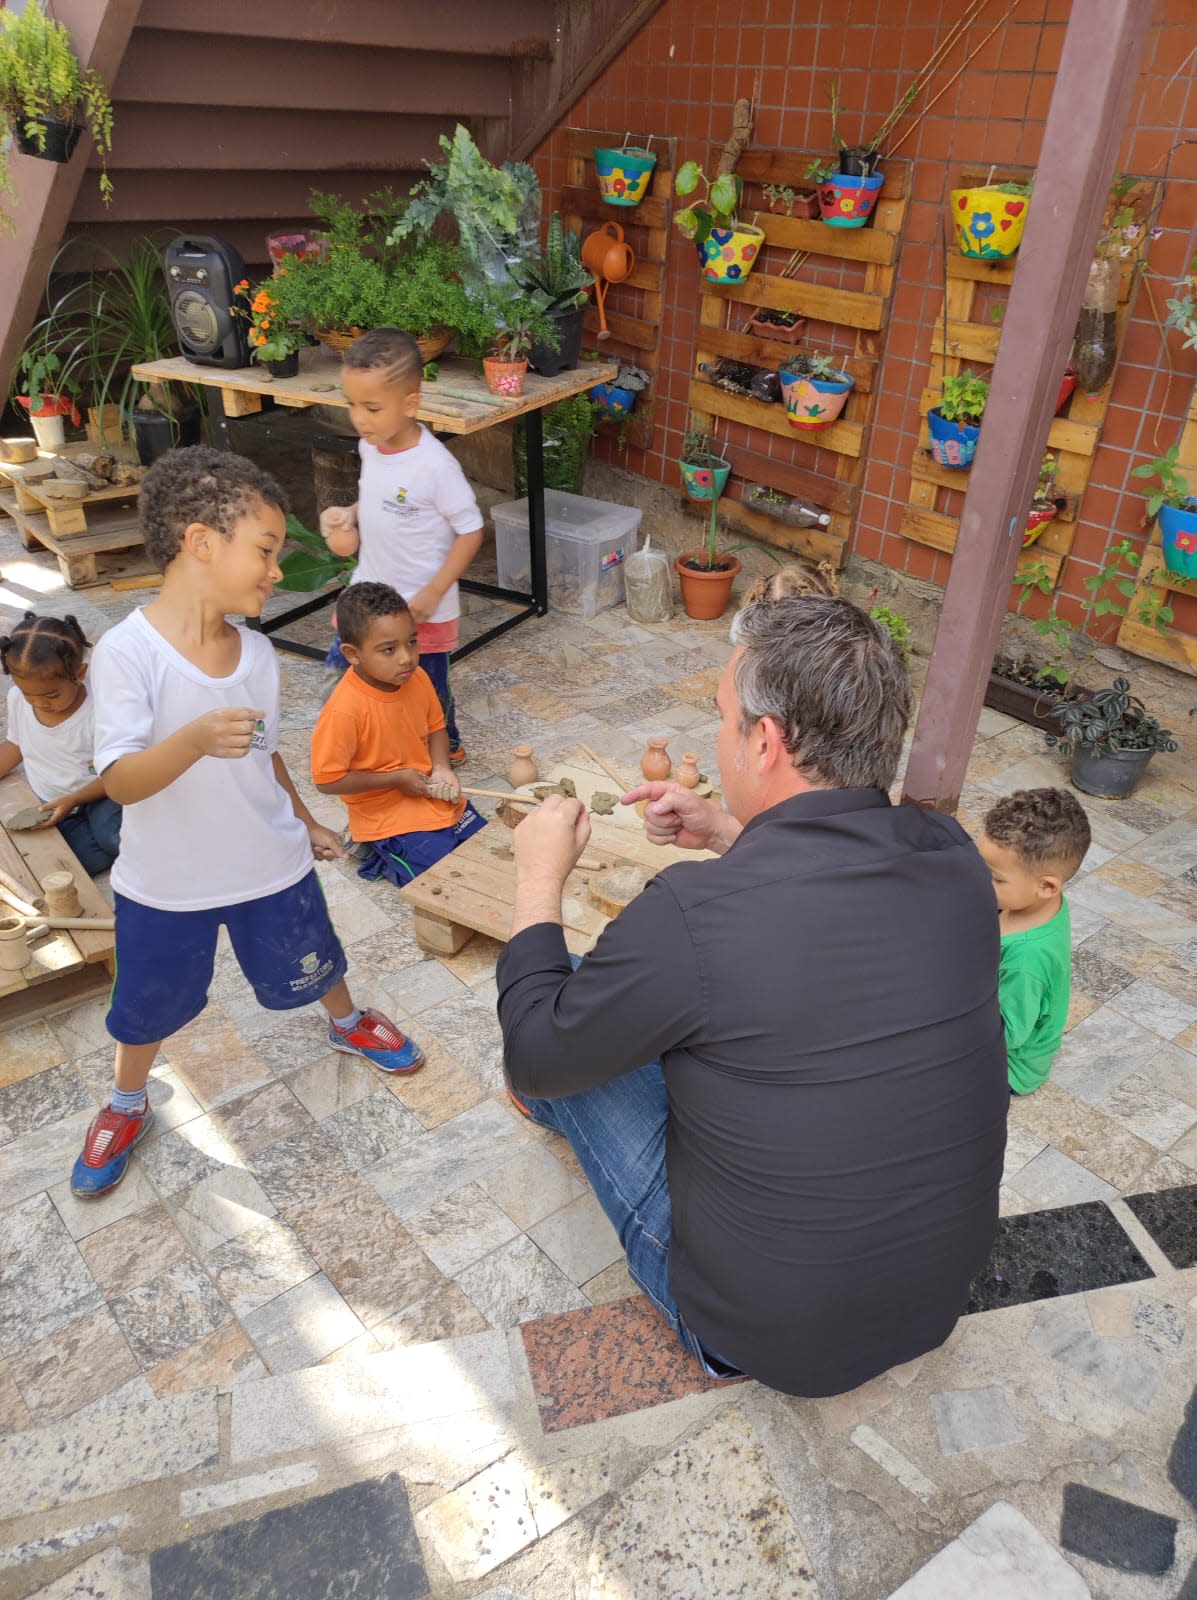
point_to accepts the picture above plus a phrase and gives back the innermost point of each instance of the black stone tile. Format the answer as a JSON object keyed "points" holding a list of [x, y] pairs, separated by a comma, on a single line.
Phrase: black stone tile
{"points": [[357, 1542], [1099, 979], [1116, 1533], [1182, 1463], [1042, 1254], [1170, 1217]]}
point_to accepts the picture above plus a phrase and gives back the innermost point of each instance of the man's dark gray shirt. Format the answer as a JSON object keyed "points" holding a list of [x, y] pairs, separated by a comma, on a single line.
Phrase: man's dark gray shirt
{"points": [[823, 999]]}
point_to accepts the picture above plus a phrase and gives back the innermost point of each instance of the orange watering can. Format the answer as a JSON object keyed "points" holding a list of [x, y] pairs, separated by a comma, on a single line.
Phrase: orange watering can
{"points": [[611, 260]]}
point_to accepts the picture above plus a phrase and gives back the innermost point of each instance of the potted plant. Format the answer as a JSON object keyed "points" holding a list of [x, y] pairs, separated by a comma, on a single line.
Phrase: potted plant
{"points": [[989, 219], [1046, 504], [568, 428], [955, 423], [559, 282], [1122, 237], [1111, 738], [1175, 506], [518, 324], [46, 97], [814, 390], [51, 393], [617, 398], [704, 470], [727, 248], [784, 327], [271, 340], [801, 203], [624, 174], [707, 575], [793, 510]]}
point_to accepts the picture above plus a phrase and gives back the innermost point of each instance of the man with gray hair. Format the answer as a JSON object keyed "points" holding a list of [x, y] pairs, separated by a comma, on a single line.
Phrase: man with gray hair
{"points": [[805, 1174]]}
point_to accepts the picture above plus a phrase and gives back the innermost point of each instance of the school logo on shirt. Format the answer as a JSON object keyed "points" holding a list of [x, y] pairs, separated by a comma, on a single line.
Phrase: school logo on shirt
{"points": [[309, 963], [398, 505], [401, 496], [258, 740]]}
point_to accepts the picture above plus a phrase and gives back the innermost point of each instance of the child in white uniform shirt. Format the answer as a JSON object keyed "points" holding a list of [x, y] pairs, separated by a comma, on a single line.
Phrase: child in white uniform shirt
{"points": [[187, 710], [416, 524], [51, 729]]}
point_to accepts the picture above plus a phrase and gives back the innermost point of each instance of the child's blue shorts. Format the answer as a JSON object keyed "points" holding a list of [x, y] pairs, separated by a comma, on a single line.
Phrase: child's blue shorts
{"points": [[404, 856], [284, 943]]}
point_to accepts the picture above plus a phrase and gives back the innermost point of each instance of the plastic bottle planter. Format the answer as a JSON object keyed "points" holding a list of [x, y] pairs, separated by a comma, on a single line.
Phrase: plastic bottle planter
{"points": [[988, 223], [611, 400], [847, 202], [814, 402], [953, 444], [728, 255], [1178, 531], [705, 483], [624, 175]]}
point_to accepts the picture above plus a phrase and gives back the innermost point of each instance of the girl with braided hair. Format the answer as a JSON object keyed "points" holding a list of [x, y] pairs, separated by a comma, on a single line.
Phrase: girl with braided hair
{"points": [[51, 728]]}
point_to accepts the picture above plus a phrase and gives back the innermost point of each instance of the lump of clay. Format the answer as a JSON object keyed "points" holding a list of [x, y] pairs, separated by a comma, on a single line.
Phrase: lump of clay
{"points": [[603, 803]]}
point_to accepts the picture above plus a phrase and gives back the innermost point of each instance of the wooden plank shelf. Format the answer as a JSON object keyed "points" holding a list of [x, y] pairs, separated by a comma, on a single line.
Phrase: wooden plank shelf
{"points": [[1154, 582], [867, 256], [111, 548]]}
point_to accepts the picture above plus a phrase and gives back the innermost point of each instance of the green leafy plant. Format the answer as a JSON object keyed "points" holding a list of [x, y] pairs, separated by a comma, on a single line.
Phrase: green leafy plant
{"points": [[556, 278], [1110, 720], [717, 209], [1182, 309], [698, 452], [712, 554], [963, 398], [270, 338], [313, 565], [41, 78], [779, 197], [43, 377], [807, 365], [1173, 489], [568, 429], [896, 625]]}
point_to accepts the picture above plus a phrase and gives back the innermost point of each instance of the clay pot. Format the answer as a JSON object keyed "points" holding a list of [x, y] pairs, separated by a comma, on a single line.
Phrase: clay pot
{"points": [[62, 898], [655, 763], [688, 774], [14, 946], [505, 378], [523, 769], [706, 591]]}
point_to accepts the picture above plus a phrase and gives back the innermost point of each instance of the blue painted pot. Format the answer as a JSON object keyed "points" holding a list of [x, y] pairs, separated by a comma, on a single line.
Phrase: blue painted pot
{"points": [[612, 400], [624, 175], [953, 444], [1178, 532], [846, 201]]}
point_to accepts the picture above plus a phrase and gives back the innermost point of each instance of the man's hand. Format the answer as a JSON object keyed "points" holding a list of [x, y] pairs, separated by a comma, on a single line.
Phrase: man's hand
{"points": [[443, 784], [423, 603], [227, 734], [550, 840], [676, 815], [326, 845]]}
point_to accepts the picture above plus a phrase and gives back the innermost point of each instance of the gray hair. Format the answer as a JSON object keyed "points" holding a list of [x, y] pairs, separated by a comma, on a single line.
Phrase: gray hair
{"points": [[832, 681]]}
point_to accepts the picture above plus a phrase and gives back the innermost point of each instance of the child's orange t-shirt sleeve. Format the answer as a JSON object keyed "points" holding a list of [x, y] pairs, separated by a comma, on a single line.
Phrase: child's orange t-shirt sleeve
{"points": [[334, 744]]}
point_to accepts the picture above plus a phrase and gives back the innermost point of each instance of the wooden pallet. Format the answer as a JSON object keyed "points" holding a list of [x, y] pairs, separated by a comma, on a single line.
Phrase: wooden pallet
{"points": [[860, 312], [111, 549], [66, 968], [66, 518], [1073, 439]]}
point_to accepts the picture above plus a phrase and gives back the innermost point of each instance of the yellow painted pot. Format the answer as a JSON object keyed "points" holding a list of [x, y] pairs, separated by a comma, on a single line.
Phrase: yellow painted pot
{"points": [[988, 223]]}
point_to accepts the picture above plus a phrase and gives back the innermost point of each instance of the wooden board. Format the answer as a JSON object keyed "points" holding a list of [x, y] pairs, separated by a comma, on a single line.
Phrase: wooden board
{"points": [[69, 517], [112, 548], [1154, 582]]}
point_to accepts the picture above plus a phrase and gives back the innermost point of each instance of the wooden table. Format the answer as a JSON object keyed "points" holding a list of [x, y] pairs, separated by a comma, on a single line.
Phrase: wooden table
{"points": [[66, 967], [241, 392]]}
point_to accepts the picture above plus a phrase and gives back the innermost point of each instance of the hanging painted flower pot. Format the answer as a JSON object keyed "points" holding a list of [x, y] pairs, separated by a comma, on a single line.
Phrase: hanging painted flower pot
{"points": [[847, 202], [1178, 532], [612, 400], [814, 402], [988, 222], [624, 175], [728, 255], [1038, 518], [953, 444], [705, 482], [1067, 384]]}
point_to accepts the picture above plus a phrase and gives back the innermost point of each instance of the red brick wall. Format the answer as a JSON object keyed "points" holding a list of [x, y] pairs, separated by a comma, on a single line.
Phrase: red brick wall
{"points": [[680, 77]]}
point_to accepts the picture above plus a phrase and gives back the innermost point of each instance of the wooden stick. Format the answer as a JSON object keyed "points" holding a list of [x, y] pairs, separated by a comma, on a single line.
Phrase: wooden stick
{"points": [[607, 768], [476, 399], [503, 794], [1013, 6], [96, 924], [14, 894], [447, 408]]}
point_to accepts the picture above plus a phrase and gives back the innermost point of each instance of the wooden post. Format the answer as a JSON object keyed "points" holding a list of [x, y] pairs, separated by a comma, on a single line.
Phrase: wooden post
{"points": [[1099, 70]]}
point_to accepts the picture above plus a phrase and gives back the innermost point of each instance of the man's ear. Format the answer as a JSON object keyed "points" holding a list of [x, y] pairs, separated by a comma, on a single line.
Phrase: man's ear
{"points": [[768, 746]]}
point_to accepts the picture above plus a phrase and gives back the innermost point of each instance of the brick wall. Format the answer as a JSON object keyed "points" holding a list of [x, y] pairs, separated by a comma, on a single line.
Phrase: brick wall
{"points": [[681, 75]]}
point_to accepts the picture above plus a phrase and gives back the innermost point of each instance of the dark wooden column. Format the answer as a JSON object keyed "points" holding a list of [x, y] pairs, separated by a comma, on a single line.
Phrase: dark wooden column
{"points": [[1098, 74]]}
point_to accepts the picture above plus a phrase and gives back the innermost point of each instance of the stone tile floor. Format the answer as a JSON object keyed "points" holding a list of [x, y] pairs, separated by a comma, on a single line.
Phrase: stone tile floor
{"points": [[338, 1335]]}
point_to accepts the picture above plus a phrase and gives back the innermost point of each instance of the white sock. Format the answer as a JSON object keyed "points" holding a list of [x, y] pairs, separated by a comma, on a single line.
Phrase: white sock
{"points": [[128, 1101], [343, 1024]]}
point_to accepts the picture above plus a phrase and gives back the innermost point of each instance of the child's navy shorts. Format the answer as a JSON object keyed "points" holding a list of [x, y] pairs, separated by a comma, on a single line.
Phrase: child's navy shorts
{"points": [[405, 855], [284, 943]]}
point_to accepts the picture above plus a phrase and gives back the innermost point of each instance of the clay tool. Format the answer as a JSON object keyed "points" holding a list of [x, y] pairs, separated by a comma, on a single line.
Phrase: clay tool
{"points": [[96, 924], [17, 903], [583, 864], [502, 794], [606, 766]]}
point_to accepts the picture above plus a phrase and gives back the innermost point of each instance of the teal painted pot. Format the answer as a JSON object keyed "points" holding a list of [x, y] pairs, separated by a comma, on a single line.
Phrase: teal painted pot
{"points": [[624, 175], [1178, 532], [814, 402], [847, 202], [705, 483]]}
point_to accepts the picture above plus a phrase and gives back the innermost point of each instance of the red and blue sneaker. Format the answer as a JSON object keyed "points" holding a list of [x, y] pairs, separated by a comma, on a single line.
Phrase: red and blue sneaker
{"points": [[107, 1145], [378, 1039]]}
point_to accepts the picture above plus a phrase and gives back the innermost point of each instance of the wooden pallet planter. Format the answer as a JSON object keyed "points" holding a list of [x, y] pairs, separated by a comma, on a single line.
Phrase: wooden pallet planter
{"points": [[634, 324], [1154, 582], [67, 518], [1073, 439], [112, 548], [860, 313], [66, 967]]}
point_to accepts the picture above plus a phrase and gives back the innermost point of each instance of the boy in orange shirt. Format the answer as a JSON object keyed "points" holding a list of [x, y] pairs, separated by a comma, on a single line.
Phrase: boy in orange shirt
{"points": [[380, 742]]}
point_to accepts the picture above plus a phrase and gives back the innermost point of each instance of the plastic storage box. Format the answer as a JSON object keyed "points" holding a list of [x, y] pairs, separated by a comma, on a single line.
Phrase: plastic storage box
{"points": [[586, 544]]}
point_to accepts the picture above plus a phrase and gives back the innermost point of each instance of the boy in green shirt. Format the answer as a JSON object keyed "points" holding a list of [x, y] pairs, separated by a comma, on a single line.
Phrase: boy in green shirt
{"points": [[1033, 841]]}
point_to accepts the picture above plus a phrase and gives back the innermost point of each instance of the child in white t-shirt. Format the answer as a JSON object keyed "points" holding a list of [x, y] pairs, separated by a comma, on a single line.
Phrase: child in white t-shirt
{"points": [[51, 730], [187, 710], [416, 524]]}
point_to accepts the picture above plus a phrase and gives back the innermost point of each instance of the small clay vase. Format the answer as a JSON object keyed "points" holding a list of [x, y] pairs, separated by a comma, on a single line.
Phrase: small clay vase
{"points": [[62, 898], [688, 774], [14, 944], [655, 763], [523, 770]]}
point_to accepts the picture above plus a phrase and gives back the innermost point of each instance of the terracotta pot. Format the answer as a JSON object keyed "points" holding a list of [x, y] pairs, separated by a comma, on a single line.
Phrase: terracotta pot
{"points": [[655, 763], [688, 774], [778, 332], [814, 402], [705, 595], [14, 945], [523, 769], [505, 378]]}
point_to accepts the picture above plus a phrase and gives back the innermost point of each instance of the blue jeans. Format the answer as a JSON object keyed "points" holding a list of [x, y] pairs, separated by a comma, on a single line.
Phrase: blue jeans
{"points": [[618, 1134], [94, 834]]}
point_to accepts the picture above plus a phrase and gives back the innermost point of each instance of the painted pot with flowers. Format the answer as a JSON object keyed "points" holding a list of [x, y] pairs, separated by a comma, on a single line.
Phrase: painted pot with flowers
{"points": [[1047, 503], [704, 470], [988, 221], [1174, 505], [271, 341], [846, 200], [618, 398], [955, 423], [814, 390], [625, 174], [728, 249]]}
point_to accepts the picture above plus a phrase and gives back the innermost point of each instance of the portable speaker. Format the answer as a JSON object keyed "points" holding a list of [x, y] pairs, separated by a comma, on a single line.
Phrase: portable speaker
{"points": [[201, 272]]}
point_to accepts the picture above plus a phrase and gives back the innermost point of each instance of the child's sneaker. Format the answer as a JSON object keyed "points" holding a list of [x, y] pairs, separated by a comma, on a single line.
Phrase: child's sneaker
{"points": [[107, 1145], [458, 757], [379, 1040]]}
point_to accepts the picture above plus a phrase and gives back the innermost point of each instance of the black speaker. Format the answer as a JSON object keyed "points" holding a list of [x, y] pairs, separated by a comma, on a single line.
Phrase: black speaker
{"points": [[202, 272]]}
